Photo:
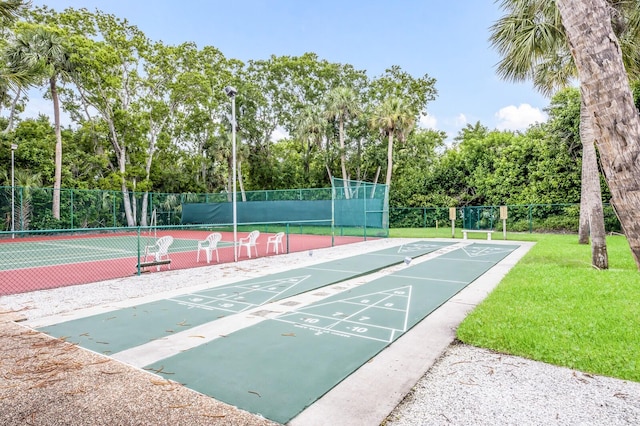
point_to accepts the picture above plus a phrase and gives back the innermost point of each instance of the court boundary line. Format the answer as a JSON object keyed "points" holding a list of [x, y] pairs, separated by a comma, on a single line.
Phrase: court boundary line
{"points": [[411, 356], [207, 285], [330, 328], [333, 324], [168, 346]]}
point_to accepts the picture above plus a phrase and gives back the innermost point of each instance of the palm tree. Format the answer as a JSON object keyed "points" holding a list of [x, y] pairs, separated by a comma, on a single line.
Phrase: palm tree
{"points": [[25, 183], [609, 101], [11, 10], [11, 80], [310, 131], [393, 118], [341, 104], [531, 40], [44, 49]]}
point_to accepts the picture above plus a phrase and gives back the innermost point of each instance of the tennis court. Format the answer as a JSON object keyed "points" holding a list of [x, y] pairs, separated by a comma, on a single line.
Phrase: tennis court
{"points": [[216, 342], [50, 261]]}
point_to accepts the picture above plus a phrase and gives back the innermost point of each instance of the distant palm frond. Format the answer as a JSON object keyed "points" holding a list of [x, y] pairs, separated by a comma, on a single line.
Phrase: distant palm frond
{"points": [[11, 10]]}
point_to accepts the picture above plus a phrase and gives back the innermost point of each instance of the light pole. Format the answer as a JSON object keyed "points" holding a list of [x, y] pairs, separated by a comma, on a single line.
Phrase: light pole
{"points": [[232, 92], [13, 191]]}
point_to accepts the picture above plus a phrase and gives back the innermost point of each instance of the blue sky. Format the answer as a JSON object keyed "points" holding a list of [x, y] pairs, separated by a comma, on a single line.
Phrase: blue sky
{"points": [[442, 38]]}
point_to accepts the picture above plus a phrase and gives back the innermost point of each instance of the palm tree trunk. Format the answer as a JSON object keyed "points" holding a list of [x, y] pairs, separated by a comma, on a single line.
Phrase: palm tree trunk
{"points": [[583, 222], [387, 180], [387, 189], [343, 160], [12, 112], [606, 93], [241, 183], [591, 197], [57, 183]]}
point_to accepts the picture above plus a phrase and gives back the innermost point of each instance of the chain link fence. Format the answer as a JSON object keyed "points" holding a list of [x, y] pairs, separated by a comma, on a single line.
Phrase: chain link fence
{"points": [[559, 218], [45, 259], [91, 241]]}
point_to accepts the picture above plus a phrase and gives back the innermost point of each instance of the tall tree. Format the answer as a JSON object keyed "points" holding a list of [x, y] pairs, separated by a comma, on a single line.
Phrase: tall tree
{"points": [[311, 131], [43, 49], [278, 89], [341, 105], [107, 53], [203, 75], [533, 46], [394, 119], [609, 102], [12, 81], [10, 10]]}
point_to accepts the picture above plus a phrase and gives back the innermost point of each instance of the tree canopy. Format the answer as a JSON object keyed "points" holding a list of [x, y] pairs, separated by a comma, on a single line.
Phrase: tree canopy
{"points": [[150, 117]]}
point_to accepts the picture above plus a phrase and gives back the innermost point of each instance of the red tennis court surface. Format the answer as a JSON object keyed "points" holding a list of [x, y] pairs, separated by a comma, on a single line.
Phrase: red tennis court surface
{"points": [[17, 279]]}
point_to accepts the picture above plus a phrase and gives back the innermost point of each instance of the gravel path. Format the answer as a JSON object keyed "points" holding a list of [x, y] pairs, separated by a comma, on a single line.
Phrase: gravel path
{"points": [[50, 382], [472, 386]]}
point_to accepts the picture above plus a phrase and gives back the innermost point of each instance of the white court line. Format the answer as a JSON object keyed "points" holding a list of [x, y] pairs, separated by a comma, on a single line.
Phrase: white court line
{"points": [[343, 333], [50, 261], [360, 304], [413, 277], [158, 349], [233, 297], [78, 246], [332, 318], [348, 319], [333, 270], [468, 260], [213, 308]]}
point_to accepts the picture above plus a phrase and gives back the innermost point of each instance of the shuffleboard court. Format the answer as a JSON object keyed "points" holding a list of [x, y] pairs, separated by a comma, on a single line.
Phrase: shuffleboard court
{"points": [[126, 328], [279, 367]]}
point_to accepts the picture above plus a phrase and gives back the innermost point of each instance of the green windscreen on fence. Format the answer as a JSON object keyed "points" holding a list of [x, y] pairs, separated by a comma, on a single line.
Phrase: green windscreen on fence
{"points": [[350, 204], [258, 211], [358, 203]]}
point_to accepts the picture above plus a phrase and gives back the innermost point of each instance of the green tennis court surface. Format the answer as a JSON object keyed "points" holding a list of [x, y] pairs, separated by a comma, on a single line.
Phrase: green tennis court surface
{"points": [[51, 252], [127, 328], [280, 366]]}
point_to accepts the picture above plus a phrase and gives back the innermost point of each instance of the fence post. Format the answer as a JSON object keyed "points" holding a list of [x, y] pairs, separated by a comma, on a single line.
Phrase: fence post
{"points": [[21, 212], [364, 200], [530, 218], [71, 207], [139, 268], [114, 208], [287, 229]]}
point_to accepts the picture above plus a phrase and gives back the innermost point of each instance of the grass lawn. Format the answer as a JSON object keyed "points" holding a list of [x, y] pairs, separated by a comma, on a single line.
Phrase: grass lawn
{"points": [[554, 307]]}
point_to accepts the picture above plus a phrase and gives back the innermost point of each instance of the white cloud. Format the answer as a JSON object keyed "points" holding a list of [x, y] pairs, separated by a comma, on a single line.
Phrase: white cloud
{"points": [[428, 122], [461, 120], [279, 133], [519, 118]]}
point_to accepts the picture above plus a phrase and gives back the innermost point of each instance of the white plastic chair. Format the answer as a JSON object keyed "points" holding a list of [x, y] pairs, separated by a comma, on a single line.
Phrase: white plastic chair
{"points": [[248, 242], [160, 250], [276, 242], [209, 245]]}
